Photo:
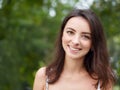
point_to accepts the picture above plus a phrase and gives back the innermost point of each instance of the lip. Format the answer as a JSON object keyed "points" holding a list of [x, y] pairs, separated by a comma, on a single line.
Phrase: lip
{"points": [[74, 49]]}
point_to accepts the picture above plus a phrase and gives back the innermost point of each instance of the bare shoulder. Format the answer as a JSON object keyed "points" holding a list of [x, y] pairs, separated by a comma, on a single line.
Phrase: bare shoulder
{"points": [[40, 78], [41, 72], [110, 86]]}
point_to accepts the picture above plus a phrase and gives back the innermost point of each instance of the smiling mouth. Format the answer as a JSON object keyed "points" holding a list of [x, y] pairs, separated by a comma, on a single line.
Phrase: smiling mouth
{"points": [[74, 49]]}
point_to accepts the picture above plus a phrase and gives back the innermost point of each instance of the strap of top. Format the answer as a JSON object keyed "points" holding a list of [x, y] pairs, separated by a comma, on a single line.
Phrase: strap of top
{"points": [[47, 84], [98, 88]]}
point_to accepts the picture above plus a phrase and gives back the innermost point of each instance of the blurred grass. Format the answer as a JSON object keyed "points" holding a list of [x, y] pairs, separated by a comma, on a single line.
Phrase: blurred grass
{"points": [[116, 88]]}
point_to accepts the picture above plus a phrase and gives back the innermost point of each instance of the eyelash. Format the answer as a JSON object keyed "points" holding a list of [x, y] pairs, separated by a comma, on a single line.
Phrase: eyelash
{"points": [[85, 36], [70, 32]]}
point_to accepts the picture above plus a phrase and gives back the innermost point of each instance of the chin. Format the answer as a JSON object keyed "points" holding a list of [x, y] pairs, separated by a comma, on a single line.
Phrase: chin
{"points": [[75, 57]]}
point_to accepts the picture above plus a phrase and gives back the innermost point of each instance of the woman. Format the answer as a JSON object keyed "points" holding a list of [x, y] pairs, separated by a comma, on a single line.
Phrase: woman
{"points": [[81, 59]]}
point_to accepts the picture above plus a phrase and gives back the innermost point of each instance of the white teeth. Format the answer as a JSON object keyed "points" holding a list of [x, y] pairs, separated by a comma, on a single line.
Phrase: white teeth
{"points": [[74, 48]]}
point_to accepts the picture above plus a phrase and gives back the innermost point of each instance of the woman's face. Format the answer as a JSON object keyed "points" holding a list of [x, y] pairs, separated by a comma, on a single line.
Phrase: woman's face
{"points": [[76, 39]]}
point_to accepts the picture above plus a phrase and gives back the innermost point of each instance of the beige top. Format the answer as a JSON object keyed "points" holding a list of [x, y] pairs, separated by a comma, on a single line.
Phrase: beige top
{"points": [[47, 85]]}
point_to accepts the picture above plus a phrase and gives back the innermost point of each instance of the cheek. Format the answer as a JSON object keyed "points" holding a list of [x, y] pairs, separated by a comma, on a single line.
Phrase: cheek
{"points": [[86, 44], [65, 39]]}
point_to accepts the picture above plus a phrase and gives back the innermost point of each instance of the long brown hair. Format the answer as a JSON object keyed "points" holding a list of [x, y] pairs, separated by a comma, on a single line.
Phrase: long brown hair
{"points": [[96, 61]]}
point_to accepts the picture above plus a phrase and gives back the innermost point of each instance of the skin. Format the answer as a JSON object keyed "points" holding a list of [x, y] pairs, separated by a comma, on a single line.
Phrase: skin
{"points": [[76, 42], [76, 39]]}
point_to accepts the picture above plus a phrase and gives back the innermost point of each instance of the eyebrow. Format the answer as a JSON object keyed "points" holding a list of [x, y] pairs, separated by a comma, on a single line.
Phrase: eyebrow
{"points": [[86, 33], [82, 32], [71, 28]]}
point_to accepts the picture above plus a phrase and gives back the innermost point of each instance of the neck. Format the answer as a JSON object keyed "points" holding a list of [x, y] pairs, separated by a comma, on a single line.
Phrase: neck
{"points": [[74, 66]]}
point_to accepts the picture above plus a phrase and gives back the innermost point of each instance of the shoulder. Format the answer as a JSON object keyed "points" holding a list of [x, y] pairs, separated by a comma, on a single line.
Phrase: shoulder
{"points": [[109, 86], [41, 72], [40, 79]]}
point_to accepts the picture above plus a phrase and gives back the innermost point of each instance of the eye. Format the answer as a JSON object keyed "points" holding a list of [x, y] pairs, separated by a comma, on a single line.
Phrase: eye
{"points": [[86, 37], [70, 32]]}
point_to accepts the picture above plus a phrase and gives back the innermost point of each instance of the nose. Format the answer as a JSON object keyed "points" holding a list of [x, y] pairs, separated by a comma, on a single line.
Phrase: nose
{"points": [[76, 40]]}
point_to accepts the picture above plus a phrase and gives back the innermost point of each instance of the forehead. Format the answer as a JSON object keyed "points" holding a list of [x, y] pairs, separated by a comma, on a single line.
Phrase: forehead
{"points": [[78, 23]]}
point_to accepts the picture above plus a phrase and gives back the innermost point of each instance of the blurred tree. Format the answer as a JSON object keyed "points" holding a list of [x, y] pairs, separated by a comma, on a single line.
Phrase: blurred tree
{"points": [[109, 12], [28, 31]]}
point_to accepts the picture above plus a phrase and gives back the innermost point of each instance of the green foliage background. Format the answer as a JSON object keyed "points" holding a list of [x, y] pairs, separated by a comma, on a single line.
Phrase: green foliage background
{"points": [[28, 32]]}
